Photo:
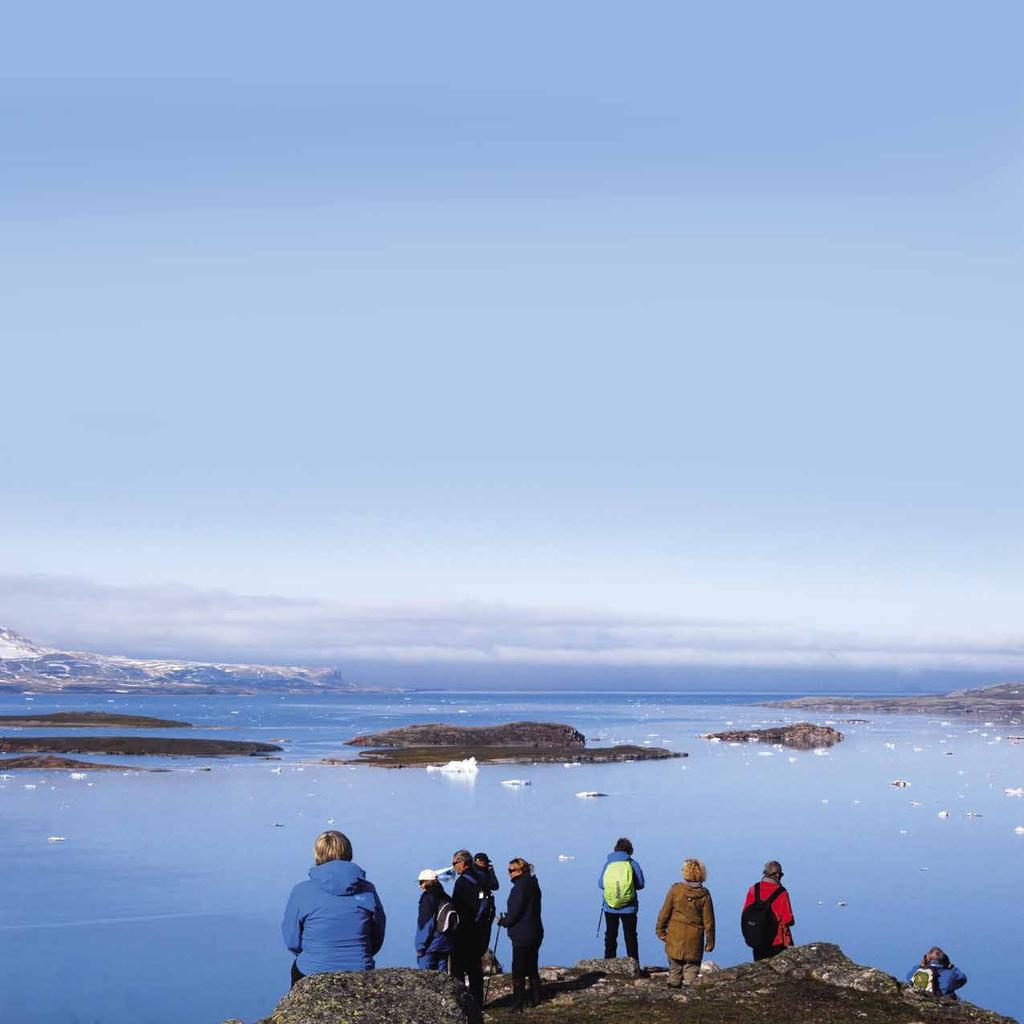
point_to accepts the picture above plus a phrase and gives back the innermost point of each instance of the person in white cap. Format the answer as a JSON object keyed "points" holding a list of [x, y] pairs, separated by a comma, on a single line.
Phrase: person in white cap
{"points": [[435, 924]]}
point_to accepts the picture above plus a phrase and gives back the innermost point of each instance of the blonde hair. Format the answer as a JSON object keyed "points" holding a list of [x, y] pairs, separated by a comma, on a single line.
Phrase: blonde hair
{"points": [[521, 865], [694, 870], [331, 846]]}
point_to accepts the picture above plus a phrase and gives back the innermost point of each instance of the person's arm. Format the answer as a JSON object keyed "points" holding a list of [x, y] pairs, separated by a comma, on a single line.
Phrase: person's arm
{"points": [[491, 881], [952, 979], [378, 924], [425, 925], [516, 906], [600, 877], [749, 899], [709, 925], [291, 924], [784, 909], [638, 875], [661, 924]]}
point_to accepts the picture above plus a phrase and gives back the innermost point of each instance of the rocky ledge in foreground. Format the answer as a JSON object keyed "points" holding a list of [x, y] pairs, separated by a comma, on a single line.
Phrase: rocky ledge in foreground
{"points": [[800, 735], [804, 985], [133, 746], [49, 763], [437, 743], [511, 734], [1002, 702], [90, 720]]}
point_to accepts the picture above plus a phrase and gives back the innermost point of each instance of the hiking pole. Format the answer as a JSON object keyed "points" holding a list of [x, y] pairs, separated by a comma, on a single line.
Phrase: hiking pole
{"points": [[494, 960], [600, 917]]}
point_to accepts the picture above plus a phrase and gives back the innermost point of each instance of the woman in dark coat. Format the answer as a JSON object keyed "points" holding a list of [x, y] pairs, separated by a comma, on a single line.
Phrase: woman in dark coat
{"points": [[526, 932]]}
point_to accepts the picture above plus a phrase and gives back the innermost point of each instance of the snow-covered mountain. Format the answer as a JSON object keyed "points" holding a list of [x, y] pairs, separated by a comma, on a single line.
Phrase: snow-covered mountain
{"points": [[27, 667]]}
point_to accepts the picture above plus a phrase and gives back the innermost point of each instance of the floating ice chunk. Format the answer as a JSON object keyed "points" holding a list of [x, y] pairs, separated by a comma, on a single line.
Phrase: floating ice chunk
{"points": [[56, 839], [572, 764], [842, 903], [717, 739], [29, 785], [792, 760], [1009, 791], [974, 814], [515, 782], [466, 767], [1019, 830], [566, 856], [899, 783], [917, 750], [890, 746], [79, 775], [765, 753], [821, 751], [278, 824], [943, 814], [915, 803], [275, 771], [590, 794]]}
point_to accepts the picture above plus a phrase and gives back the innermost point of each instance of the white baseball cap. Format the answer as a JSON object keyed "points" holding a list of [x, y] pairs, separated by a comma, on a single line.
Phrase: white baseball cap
{"points": [[426, 875]]}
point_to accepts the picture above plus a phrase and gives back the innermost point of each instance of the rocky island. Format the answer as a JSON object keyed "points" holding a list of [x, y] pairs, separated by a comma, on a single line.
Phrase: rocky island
{"points": [[804, 985], [89, 720], [133, 746], [435, 743], [50, 763], [1003, 702], [799, 736]]}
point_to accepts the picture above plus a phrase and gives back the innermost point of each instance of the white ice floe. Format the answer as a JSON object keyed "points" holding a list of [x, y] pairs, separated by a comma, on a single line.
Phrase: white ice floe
{"points": [[56, 839], [29, 785], [79, 775], [566, 856], [275, 771], [974, 814], [515, 782], [890, 746], [590, 794], [899, 783], [943, 814], [821, 751], [1009, 791], [792, 760], [842, 903], [572, 764], [765, 753], [1019, 830], [466, 767]]}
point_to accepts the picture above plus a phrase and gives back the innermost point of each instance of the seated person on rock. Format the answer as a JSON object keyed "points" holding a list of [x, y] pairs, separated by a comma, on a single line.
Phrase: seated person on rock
{"points": [[936, 975], [335, 920]]}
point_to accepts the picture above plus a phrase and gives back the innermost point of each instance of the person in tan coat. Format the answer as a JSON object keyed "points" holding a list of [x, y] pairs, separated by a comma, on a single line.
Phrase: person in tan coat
{"points": [[686, 924]]}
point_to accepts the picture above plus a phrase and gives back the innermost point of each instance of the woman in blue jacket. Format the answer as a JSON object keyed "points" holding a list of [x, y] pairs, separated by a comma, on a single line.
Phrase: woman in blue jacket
{"points": [[526, 932], [435, 923], [626, 880], [936, 975], [334, 921]]}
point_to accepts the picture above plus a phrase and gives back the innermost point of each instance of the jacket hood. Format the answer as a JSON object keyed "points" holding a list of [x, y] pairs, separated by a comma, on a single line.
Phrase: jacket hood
{"points": [[338, 877], [617, 855]]}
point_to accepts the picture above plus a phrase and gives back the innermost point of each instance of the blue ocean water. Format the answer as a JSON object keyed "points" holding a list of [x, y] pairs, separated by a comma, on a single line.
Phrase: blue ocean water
{"points": [[167, 891]]}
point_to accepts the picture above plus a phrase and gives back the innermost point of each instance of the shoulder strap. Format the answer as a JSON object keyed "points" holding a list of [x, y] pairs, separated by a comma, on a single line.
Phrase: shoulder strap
{"points": [[778, 892]]}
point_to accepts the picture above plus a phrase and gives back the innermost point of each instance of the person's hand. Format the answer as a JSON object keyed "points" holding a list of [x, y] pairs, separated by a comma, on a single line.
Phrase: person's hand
{"points": [[662, 935], [501, 921], [709, 948]]}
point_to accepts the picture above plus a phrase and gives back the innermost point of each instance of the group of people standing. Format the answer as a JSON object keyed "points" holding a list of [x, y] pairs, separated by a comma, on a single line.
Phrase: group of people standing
{"points": [[335, 920]]}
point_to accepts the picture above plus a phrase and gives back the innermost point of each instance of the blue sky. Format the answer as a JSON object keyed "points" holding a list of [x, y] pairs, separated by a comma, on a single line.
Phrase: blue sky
{"points": [[671, 312]]}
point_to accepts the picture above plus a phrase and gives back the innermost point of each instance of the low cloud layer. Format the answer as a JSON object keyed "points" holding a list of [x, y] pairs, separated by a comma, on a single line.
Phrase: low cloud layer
{"points": [[182, 622]]}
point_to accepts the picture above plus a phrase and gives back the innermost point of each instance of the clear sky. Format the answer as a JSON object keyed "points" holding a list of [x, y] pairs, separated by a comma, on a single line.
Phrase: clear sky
{"points": [[708, 313]]}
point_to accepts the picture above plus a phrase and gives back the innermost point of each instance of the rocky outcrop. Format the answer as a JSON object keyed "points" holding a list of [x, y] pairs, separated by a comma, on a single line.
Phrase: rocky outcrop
{"points": [[387, 996], [419, 757], [134, 746], [90, 720], [800, 736], [512, 734], [1002, 702], [805, 985]]}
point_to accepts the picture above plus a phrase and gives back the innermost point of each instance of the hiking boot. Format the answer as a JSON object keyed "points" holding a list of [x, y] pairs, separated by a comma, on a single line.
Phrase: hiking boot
{"points": [[534, 981], [518, 994]]}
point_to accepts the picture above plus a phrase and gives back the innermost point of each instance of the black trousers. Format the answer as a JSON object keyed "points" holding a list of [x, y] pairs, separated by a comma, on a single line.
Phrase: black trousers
{"points": [[296, 973], [524, 960], [767, 952], [611, 935], [467, 964]]}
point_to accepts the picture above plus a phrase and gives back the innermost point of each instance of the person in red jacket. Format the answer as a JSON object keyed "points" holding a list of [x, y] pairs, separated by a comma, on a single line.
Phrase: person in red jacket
{"points": [[771, 880]]}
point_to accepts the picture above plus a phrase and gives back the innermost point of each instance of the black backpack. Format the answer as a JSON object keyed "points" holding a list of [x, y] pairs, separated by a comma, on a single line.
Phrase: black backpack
{"points": [[485, 908], [758, 922], [446, 919]]}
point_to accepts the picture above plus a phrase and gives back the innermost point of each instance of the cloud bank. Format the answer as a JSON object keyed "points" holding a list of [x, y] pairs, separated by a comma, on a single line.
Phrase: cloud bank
{"points": [[176, 621]]}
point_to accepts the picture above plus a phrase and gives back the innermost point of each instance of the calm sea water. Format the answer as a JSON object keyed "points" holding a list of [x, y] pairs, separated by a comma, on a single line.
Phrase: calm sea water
{"points": [[167, 893]]}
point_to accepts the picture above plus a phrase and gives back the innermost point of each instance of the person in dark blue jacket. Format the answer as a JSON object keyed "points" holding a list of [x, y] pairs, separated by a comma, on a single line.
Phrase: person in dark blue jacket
{"points": [[936, 975], [334, 921], [484, 869], [433, 924], [470, 898], [625, 912], [525, 931]]}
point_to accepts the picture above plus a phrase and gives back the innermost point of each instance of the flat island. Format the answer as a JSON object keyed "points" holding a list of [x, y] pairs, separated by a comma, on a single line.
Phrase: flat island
{"points": [[50, 763], [134, 746], [90, 720], [435, 743], [800, 736], [1003, 702]]}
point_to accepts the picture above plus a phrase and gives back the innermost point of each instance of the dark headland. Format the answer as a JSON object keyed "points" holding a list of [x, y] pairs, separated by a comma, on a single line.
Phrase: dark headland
{"points": [[1002, 702], [800, 736], [89, 720], [133, 746], [436, 743], [50, 763]]}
